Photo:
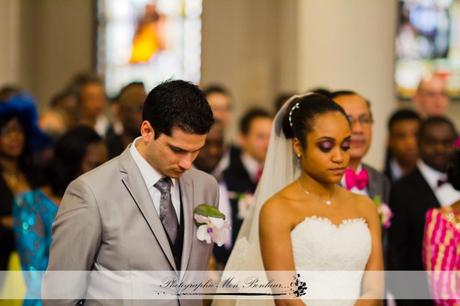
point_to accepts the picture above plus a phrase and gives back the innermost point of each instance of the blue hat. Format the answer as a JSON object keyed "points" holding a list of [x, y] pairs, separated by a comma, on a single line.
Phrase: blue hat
{"points": [[23, 106]]}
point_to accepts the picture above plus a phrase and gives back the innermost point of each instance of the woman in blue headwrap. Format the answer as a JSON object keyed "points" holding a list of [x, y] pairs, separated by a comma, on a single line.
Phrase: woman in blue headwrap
{"points": [[19, 139]]}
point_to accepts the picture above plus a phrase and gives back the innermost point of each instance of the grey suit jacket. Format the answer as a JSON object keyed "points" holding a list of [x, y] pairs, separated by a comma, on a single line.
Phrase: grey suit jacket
{"points": [[378, 184], [107, 222]]}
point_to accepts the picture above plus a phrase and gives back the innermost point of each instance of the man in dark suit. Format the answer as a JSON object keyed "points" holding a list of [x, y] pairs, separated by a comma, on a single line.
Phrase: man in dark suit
{"points": [[411, 197], [402, 153], [243, 173], [130, 102]]}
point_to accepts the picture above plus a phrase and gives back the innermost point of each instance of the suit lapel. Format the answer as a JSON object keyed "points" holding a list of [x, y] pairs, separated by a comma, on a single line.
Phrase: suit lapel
{"points": [[136, 186], [187, 195], [427, 194], [373, 184]]}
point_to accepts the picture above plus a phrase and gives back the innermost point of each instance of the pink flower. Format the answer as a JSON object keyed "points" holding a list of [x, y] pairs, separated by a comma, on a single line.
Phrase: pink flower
{"points": [[385, 215], [384, 211], [457, 143]]}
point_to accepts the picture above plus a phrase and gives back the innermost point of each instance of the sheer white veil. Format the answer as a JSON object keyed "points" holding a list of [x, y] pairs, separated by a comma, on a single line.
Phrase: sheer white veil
{"points": [[280, 169]]}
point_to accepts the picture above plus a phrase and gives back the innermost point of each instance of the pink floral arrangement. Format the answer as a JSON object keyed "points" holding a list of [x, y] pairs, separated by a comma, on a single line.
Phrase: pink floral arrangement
{"points": [[384, 211]]}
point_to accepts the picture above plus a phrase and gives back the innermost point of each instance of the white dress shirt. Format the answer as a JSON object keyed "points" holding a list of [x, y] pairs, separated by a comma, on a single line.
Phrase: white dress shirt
{"points": [[396, 170], [446, 194], [355, 189], [151, 177]]}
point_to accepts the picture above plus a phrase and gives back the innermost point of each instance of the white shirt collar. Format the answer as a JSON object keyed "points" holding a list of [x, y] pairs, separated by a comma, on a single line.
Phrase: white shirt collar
{"points": [[431, 175], [251, 165], [395, 169], [149, 174]]}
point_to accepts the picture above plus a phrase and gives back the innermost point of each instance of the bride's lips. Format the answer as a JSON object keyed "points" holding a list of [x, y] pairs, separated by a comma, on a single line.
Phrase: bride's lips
{"points": [[337, 171]]}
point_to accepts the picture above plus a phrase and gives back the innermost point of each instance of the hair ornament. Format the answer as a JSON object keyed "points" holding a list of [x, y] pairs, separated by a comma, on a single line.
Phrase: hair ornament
{"points": [[296, 106]]}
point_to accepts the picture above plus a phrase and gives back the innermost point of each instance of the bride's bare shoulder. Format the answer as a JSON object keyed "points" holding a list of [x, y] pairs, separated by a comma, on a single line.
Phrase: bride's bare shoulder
{"points": [[278, 205]]}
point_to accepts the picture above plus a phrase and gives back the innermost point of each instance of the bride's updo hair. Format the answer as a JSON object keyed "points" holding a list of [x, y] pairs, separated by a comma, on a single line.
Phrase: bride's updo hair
{"points": [[300, 114], [453, 172]]}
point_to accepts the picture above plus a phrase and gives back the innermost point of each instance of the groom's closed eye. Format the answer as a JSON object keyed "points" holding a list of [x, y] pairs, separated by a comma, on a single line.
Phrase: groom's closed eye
{"points": [[180, 150], [176, 149]]}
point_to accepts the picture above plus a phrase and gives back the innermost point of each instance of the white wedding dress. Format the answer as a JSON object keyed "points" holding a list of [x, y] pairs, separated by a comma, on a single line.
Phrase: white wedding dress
{"points": [[330, 258], [339, 251]]}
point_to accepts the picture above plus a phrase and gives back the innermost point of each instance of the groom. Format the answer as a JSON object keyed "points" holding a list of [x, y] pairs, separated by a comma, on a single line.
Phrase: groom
{"points": [[135, 212]]}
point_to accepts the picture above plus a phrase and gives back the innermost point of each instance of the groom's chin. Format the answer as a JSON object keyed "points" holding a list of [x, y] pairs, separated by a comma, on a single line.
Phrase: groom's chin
{"points": [[176, 174]]}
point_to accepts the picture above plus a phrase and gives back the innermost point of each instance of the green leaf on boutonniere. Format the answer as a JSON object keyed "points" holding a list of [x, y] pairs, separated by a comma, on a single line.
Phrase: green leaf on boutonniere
{"points": [[208, 211], [377, 200]]}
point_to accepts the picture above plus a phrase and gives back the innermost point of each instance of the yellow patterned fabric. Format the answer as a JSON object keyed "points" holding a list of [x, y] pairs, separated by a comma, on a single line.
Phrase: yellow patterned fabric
{"points": [[14, 286]]}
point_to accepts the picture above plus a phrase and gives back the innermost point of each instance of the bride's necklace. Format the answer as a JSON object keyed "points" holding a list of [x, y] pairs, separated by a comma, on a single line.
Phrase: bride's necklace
{"points": [[308, 193]]}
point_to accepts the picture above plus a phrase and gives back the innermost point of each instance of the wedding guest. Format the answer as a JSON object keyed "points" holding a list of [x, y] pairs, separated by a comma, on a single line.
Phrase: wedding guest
{"points": [[92, 101], [441, 252], [19, 138], [361, 178], [244, 172], [75, 153], [431, 98], [402, 152], [207, 161], [9, 90], [129, 104], [220, 100], [413, 195], [61, 115]]}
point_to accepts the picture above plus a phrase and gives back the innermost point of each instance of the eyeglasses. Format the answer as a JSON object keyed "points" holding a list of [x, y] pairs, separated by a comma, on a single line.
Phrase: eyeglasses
{"points": [[363, 120]]}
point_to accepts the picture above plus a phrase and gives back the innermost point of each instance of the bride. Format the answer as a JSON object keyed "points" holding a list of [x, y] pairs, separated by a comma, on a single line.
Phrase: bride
{"points": [[302, 219]]}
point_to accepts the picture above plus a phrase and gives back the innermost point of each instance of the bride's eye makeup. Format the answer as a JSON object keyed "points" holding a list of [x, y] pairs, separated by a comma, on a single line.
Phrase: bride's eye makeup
{"points": [[325, 145], [346, 145]]}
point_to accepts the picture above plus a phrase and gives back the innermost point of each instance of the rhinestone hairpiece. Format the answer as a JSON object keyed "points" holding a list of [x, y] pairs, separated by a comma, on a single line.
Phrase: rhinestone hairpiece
{"points": [[296, 106]]}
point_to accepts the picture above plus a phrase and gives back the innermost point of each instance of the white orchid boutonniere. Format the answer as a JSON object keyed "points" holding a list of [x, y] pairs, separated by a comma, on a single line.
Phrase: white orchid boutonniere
{"points": [[212, 226], [384, 211]]}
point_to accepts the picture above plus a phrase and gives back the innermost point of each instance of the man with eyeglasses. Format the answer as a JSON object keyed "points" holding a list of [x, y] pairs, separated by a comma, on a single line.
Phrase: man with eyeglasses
{"points": [[359, 177], [431, 98]]}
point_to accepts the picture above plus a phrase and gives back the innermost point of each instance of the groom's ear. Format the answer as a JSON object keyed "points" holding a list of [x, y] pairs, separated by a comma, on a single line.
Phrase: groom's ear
{"points": [[147, 130]]}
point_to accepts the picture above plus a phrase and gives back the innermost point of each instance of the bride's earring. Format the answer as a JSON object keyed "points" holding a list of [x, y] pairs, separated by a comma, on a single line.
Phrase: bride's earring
{"points": [[299, 156]]}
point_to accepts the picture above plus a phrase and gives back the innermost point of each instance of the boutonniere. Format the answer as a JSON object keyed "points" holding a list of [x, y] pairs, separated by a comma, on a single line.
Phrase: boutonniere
{"points": [[245, 201], [212, 226], [384, 211]]}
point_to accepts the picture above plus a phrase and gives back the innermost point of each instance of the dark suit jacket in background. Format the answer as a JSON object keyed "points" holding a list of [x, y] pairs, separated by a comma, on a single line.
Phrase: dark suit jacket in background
{"points": [[411, 197], [238, 181]]}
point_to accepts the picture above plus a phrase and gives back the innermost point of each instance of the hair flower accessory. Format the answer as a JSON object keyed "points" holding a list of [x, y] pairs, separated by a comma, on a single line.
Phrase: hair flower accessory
{"points": [[212, 226], [384, 211]]}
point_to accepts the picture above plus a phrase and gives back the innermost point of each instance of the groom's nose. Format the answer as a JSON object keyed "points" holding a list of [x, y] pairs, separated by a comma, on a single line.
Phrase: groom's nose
{"points": [[186, 161]]}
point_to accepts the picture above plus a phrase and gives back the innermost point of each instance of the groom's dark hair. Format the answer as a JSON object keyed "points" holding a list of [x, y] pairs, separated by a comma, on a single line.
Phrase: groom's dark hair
{"points": [[177, 103]]}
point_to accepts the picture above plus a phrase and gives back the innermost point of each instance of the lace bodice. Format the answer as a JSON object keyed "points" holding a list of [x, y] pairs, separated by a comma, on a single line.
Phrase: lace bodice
{"points": [[320, 245]]}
